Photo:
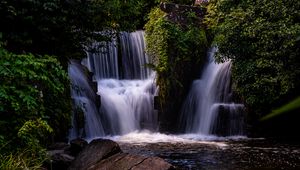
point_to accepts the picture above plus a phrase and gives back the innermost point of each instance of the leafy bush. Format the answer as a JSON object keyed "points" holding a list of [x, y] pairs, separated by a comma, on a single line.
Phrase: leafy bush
{"points": [[26, 80], [32, 132]]}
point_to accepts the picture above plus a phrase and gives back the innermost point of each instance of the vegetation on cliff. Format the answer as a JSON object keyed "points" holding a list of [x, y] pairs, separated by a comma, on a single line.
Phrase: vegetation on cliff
{"points": [[177, 50]]}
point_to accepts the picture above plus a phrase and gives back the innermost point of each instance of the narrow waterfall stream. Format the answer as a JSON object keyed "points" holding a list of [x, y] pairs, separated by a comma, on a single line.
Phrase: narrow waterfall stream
{"points": [[209, 107]]}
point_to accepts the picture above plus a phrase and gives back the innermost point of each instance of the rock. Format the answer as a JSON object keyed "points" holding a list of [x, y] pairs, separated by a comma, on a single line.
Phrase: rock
{"points": [[180, 13], [77, 146], [104, 154], [61, 161], [133, 162], [96, 151], [230, 119], [156, 103], [58, 146], [154, 163], [59, 158]]}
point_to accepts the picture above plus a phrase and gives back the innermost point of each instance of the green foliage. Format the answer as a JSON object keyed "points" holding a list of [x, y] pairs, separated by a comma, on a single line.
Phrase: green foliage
{"points": [[177, 51], [32, 132], [260, 37], [62, 28], [25, 81]]}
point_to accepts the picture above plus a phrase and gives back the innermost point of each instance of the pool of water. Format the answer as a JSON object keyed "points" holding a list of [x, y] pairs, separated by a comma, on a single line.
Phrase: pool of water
{"points": [[210, 152]]}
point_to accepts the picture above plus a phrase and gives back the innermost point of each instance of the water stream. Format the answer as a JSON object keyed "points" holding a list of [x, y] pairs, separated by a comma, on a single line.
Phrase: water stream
{"points": [[209, 107]]}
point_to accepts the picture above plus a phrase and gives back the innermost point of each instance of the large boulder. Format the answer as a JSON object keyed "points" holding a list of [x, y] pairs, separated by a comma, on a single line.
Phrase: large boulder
{"points": [[96, 151], [104, 154], [59, 160], [131, 161]]}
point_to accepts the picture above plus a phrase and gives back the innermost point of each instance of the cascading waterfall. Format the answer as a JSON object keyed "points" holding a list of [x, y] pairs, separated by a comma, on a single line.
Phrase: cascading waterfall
{"points": [[126, 89], [209, 108]]}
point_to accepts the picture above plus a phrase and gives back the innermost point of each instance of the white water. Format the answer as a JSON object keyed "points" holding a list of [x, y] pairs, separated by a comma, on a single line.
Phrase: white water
{"points": [[209, 97], [134, 57], [128, 104], [144, 137], [126, 94], [104, 62]]}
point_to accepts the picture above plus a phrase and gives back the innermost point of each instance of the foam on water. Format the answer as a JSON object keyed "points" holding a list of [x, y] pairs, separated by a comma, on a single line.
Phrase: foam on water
{"points": [[148, 137]]}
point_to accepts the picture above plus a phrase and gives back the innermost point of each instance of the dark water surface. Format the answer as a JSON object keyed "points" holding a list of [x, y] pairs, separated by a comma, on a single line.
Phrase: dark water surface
{"points": [[226, 154]]}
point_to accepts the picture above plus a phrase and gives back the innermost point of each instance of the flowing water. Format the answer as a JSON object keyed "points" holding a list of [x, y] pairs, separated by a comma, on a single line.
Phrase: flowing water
{"points": [[126, 87], [209, 107], [213, 124], [208, 152]]}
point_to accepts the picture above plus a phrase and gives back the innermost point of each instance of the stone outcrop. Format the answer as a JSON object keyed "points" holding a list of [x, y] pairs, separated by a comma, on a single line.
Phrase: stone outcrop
{"points": [[106, 154], [180, 13]]}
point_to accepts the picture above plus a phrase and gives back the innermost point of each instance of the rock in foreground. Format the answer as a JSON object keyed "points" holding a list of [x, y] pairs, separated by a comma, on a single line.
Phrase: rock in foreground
{"points": [[106, 154]]}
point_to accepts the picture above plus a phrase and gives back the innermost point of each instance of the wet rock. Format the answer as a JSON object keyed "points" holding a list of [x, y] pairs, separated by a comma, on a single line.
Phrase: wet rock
{"points": [[77, 146], [133, 162], [107, 155], [154, 163], [230, 120], [96, 151]]}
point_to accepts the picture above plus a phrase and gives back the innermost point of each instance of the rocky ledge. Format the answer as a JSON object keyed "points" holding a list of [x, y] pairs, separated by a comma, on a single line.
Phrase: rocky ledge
{"points": [[104, 154]]}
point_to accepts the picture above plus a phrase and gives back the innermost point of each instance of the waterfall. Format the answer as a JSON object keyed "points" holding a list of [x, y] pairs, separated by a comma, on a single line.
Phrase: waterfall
{"points": [[209, 107], [134, 57], [88, 123], [126, 87]]}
